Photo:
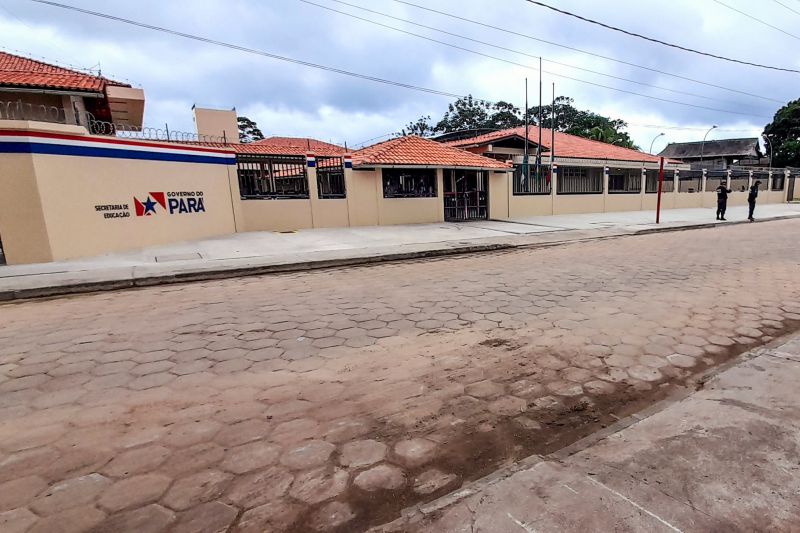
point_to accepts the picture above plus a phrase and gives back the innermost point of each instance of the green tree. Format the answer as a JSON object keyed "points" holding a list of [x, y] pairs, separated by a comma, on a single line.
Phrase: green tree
{"points": [[422, 127], [248, 130], [782, 136]]}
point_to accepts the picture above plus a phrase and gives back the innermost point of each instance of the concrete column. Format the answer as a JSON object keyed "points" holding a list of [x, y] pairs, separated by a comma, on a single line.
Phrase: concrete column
{"points": [[313, 190], [554, 189], [349, 186], [642, 190], [676, 185], [728, 180], [750, 179], [786, 175], [769, 182], [605, 189], [703, 181]]}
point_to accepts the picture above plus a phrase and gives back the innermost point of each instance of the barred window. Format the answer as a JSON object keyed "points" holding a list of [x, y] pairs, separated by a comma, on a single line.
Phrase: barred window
{"points": [[330, 178], [715, 178], [531, 184], [740, 180], [778, 181], [624, 180], [409, 183], [580, 180], [690, 181], [651, 182], [272, 176]]}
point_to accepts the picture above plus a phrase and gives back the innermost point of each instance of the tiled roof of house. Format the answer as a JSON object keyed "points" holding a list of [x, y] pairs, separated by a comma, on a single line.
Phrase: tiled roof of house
{"points": [[416, 151], [566, 145], [714, 148], [281, 146], [17, 71]]}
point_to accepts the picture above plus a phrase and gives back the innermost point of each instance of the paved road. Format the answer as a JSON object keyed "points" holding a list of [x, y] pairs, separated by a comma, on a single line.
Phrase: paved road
{"points": [[332, 399]]}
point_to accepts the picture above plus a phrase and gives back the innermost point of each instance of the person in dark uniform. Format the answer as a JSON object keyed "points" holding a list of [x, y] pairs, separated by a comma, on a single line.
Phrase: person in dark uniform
{"points": [[722, 200], [751, 199]]}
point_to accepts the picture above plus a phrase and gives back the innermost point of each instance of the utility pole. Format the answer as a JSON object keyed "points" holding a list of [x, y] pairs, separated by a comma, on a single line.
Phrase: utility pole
{"points": [[525, 169], [539, 147], [553, 129]]}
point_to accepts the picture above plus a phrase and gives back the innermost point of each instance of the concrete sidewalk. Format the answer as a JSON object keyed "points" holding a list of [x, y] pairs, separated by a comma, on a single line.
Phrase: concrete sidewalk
{"points": [[266, 252], [725, 458]]}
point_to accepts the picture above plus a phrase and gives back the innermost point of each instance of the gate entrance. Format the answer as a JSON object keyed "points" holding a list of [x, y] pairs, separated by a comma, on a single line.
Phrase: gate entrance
{"points": [[465, 195]]}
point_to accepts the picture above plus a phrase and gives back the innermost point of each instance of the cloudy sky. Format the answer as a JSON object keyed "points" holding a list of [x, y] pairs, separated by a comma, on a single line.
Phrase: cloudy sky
{"points": [[289, 99]]}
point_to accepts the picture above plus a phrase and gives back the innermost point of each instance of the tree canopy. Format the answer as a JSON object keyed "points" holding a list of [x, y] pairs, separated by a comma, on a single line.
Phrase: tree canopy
{"points": [[469, 113], [783, 134], [248, 130]]}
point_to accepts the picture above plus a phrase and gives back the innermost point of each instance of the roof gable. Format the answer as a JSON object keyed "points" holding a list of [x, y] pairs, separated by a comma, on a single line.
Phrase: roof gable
{"points": [[412, 150]]}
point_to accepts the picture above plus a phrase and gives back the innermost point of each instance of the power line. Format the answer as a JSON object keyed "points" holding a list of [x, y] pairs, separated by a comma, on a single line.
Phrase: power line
{"points": [[593, 54], [658, 41], [787, 7], [407, 21], [792, 35], [625, 91], [253, 50]]}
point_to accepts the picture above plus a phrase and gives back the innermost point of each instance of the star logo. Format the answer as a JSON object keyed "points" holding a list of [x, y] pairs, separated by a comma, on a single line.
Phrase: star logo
{"points": [[149, 207]]}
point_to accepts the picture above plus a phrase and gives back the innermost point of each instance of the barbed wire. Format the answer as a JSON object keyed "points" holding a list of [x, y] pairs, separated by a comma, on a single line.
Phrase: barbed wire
{"points": [[20, 110]]}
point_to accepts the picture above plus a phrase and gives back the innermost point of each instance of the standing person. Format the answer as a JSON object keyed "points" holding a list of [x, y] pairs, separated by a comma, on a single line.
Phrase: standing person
{"points": [[751, 199], [722, 200]]}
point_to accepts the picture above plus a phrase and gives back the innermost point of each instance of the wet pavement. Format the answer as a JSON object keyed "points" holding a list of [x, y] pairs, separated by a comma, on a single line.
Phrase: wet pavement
{"points": [[331, 400]]}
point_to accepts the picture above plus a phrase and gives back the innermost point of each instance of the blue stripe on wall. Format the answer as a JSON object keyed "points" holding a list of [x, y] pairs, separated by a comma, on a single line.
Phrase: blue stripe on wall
{"points": [[312, 163], [92, 151]]}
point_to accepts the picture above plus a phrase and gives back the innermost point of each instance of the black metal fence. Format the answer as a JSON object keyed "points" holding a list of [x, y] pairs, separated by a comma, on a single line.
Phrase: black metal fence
{"points": [[330, 178], [532, 184], [715, 178], [778, 181], [690, 181], [624, 180], [651, 180], [272, 176], [740, 180]]}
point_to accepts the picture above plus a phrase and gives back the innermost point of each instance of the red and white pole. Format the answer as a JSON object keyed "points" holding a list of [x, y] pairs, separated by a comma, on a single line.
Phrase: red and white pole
{"points": [[660, 186]]}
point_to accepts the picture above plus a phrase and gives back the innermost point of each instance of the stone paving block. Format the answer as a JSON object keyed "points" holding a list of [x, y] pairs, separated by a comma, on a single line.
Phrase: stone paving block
{"points": [[70, 493], [415, 452], [211, 517], [259, 488], [434, 481], [318, 485], [134, 491], [332, 516], [18, 492], [152, 518], [137, 461], [277, 515], [250, 456], [17, 520], [74, 520], [362, 453], [196, 488], [308, 455], [380, 477]]}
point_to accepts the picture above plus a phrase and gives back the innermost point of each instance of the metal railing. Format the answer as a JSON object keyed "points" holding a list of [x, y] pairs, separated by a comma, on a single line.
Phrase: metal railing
{"points": [[19, 110], [652, 177], [624, 180], [580, 180], [530, 185], [272, 177], [690, 181], [330, 177]]}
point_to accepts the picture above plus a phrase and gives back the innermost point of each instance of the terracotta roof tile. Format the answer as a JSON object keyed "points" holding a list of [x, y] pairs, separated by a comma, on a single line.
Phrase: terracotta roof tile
{"points": [[19, 71], [566, 145], [280, 146], [416, 151]]}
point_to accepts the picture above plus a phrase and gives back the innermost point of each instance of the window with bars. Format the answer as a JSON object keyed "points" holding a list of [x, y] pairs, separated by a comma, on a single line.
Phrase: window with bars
{"points": [[580, 180], [740, 180], [778, 181], [651, 181], [715, 178], [624, 180], [531, 184], [330, 178], [690, 181], [272, 177], [409, 183]]}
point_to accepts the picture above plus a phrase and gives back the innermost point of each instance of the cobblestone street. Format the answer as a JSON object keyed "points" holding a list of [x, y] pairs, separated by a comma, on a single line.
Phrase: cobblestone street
{"points": [[330, 400]]}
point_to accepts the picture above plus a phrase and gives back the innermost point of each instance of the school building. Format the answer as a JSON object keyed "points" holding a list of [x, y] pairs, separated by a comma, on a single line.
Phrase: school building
{"points": [[72, 185]]}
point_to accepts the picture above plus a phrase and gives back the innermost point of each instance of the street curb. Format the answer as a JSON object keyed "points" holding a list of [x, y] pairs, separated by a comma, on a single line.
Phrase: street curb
{"points": [[10, 295]]}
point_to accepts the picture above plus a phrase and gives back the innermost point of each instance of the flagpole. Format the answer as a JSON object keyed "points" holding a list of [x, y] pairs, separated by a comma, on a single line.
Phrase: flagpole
{"points": [[553, 129], [539, 148], [525, 169]]}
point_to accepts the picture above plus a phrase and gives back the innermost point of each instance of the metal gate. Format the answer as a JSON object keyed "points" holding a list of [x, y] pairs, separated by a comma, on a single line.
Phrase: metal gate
{"points": [[465, 195]]}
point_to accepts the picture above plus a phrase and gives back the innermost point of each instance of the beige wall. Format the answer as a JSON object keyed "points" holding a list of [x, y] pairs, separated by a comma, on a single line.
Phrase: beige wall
{"points": [[623, 202], [55, 207], [216, 123], [530, 205], [410, 210], [499, 198], [22, 226], [363, 189], [276, 215], [578, 203]]}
